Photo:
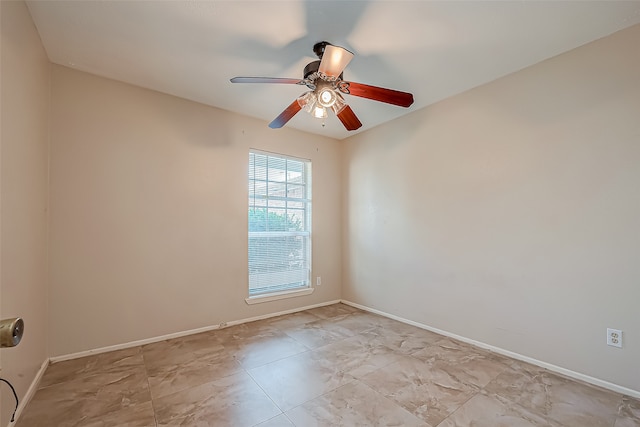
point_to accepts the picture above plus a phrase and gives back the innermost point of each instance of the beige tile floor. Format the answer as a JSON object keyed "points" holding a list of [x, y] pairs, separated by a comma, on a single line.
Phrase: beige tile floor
{"points": [[329, 366]]}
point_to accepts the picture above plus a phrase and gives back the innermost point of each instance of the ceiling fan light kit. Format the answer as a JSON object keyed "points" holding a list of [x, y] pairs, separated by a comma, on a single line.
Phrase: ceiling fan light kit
{"points": [[325, 79]]}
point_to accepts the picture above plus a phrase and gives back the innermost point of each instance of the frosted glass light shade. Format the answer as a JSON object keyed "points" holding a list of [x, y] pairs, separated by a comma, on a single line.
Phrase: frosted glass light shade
{"points": [[334, 60], [307, 100], [339, 104]]}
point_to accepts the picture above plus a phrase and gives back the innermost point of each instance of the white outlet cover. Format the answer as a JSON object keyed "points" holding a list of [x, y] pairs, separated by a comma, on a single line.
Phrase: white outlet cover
{"points": [[614, 337]]}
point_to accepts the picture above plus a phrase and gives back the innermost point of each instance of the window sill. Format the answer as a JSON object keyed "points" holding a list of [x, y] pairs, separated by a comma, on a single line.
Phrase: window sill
{"points": [[257, 299]]}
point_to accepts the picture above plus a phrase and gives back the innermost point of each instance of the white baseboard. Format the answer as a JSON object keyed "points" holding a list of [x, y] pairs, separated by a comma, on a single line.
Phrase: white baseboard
{"points": [[31, 391], [569, 373], [145, 341]]}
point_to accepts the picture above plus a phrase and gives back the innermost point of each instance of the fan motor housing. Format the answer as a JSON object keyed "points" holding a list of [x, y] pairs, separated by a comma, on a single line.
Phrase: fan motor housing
{"points": [[312, 67]]}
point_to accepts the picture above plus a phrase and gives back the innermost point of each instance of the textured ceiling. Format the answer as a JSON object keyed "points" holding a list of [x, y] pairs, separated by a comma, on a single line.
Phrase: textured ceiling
{"points": [[433, 49]]}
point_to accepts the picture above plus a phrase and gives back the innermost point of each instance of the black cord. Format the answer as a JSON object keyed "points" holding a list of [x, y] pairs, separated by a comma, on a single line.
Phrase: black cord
{"points": [[14, 395]]}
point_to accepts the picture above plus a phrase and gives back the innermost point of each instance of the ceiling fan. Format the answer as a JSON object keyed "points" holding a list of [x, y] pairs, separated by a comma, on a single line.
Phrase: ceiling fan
{"points": [[324, 78]]}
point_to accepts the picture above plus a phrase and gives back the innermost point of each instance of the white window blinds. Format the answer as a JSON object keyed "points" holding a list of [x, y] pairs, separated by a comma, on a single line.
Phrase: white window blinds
{"points": [[279, 223]]}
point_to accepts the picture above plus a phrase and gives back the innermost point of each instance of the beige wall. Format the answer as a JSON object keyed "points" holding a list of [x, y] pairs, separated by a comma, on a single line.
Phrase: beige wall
{"points": [[23, 192], [149, 213], [509, 214]]}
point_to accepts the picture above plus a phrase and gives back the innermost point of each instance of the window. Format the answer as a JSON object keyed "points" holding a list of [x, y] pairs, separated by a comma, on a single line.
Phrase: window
{"points": [[279, 223]]}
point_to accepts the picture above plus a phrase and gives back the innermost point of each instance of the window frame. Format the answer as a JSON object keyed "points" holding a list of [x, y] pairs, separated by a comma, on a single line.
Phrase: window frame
{"points": [[281, 290]]}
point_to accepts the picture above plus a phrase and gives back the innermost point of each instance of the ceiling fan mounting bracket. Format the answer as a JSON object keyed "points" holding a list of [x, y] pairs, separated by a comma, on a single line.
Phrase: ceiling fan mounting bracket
{"points": [[318, 48]]}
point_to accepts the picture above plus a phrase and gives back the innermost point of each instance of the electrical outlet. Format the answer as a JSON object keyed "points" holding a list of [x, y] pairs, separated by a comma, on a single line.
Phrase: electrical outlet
{"points": [[614, 337], [318, 281]]}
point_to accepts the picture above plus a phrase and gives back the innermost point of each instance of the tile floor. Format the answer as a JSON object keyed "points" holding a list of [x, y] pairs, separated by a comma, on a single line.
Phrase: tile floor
{"points": [[329, 366]]}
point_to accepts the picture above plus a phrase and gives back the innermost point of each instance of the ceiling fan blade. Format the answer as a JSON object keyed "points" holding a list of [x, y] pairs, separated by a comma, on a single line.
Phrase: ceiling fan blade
{"points": [[334, 60], [286, 115], [390, 96], [281, 80], [349, 118]]}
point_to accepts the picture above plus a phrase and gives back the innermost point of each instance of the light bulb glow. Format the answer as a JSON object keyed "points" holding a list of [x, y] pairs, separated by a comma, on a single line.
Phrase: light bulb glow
{"points": [[319, 112], [326, 97]]}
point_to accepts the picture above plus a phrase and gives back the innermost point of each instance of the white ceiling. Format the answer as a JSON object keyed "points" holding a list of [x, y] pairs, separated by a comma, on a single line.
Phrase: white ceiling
{"points": [[433, 49]]}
